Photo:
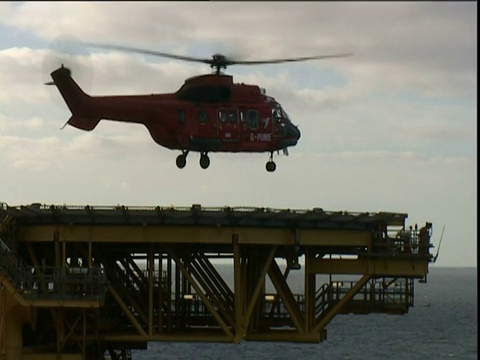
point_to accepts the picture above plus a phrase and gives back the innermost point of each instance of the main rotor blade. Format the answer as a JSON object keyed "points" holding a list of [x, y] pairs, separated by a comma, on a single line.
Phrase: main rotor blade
{"points": [[149, 52], [278, 61], [217, 59]]}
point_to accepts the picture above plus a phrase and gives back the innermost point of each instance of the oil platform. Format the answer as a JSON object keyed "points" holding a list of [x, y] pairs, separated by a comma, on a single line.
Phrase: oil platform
{"points": [[85, 282]]}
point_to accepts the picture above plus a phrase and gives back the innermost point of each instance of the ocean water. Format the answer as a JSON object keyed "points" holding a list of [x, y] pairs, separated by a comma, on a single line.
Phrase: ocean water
{"points": [[441, 325]]}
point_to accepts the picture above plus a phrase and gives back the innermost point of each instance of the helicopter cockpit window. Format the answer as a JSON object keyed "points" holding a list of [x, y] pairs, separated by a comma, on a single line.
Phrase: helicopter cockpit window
{"points": [[202, 116], [253, 119], [232, 116], [250, 117], [181, 116], [285, 115], [243, 116], [222, 116], [277, 114]]}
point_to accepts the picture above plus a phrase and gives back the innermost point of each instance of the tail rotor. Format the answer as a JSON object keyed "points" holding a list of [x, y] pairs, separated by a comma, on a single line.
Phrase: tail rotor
{"points": [[70, 52]]}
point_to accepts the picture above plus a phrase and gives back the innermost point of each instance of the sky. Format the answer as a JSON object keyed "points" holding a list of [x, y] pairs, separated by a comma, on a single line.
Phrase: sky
{"points": [[391, 128]]}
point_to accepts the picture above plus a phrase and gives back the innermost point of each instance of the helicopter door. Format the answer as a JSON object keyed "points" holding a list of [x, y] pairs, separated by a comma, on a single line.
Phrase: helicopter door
{"points": [[227, 124]]}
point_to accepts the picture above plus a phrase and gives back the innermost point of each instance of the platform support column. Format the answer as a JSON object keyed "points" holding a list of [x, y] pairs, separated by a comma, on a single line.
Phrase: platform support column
{"points": [[169, 292], [3, 320], [150, 290], [58, 318], [84, 334], [260, 285], [90, 259], [239, 290], [177, 293], [160, 293], [58, 255], [310, 288]]}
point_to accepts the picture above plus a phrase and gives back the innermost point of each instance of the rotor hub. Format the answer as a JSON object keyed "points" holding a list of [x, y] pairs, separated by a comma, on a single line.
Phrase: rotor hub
{"points": [[218, 62]]}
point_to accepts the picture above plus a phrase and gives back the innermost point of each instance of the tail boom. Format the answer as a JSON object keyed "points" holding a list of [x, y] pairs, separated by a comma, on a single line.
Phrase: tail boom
{"points": [[79, 103]]}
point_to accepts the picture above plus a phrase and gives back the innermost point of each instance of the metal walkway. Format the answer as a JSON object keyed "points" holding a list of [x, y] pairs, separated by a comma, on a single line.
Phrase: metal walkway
{"points": [[112, 278]]}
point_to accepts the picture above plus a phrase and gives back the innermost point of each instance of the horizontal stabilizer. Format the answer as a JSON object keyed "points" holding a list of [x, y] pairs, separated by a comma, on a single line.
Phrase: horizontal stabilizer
{"points": [[83, 123]]}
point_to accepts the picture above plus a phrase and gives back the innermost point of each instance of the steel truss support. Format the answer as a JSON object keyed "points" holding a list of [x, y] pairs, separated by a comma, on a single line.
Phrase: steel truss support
{"points": [[326, 317], [287, 297], [202, 295]]}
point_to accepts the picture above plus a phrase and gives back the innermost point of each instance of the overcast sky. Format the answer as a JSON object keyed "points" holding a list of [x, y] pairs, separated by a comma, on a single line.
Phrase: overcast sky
{"points": [[391, 128]]}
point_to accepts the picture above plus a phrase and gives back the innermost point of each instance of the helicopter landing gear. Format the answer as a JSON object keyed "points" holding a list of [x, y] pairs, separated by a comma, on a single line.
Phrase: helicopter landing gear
{"points": [[271, 166], [182, 159], [204, 161]]}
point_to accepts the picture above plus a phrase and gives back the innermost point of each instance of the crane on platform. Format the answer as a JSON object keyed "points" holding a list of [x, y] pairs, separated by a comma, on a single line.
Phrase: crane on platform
{"points": [[435, 257], [439, 244]]}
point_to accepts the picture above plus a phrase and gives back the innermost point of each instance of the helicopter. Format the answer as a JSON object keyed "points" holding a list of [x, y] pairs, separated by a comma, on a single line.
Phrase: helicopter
{"points": [[209, 113]]}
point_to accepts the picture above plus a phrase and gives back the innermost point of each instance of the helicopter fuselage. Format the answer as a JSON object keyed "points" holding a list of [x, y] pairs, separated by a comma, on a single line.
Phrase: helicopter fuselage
{"points": [[209, 113]]}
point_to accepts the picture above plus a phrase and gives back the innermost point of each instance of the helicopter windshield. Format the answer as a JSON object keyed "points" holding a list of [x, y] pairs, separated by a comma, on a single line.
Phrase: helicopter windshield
{"points": [[285, 115], [278, 113]]}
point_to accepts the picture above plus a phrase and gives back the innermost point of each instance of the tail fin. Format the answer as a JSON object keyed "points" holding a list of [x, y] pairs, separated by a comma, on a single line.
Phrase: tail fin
{"points": [[79, 103]]}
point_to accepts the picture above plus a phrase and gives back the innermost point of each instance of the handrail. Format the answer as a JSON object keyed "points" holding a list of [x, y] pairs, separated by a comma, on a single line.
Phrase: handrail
{"points": [[322, 298], [54, 283]]}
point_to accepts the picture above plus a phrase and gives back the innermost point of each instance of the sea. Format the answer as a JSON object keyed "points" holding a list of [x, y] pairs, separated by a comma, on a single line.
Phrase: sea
{"points": [[442, 324]]}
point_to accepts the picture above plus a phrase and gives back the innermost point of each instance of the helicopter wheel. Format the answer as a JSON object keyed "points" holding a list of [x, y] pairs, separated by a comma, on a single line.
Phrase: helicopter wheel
{"points": [[181, 161], [204, 161], [271, 166]]}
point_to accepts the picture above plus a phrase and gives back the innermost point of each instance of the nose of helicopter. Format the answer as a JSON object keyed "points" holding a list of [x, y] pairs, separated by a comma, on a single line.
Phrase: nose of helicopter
{"points": [[293, 132]]}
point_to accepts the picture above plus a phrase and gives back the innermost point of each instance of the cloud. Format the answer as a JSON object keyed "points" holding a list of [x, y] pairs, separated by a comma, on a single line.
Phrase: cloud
{"points": [[6, 9], [397, 46], [171, 21], [10, 124], [21, 153], [53, 152]]}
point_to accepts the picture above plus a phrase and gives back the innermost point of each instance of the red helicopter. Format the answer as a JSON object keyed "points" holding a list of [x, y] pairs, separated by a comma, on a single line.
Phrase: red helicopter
{"points": [[209, 113]]}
